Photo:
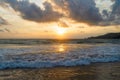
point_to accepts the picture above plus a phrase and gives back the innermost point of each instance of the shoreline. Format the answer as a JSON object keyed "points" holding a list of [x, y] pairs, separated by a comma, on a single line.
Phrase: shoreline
{"points": [[94, 71]]}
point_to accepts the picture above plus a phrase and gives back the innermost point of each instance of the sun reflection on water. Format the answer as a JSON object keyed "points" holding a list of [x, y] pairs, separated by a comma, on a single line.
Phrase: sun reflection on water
{"points": [[61, 48]]}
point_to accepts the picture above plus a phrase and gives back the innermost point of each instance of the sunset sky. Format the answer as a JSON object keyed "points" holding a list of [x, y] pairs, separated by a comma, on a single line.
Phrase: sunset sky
{"points": [[58, 18]]}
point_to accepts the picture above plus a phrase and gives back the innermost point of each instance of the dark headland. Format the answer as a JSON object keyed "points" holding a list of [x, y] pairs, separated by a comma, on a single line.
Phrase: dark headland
{"points": [[107, 36]]}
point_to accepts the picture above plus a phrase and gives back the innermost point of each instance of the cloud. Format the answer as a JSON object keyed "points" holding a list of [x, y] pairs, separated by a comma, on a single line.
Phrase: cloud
{"points": [[63, 24], [81, 11], [1, 30], [3, 21], [5, 30], [84, 11], [115, 15], [30, 11]]}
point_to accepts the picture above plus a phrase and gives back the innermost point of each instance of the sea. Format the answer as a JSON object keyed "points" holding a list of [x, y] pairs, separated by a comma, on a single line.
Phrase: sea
{"points": [[48, 53]]}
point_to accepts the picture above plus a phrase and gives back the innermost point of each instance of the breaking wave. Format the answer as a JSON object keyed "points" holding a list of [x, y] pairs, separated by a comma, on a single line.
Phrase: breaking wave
{"points": [[53, 55]]}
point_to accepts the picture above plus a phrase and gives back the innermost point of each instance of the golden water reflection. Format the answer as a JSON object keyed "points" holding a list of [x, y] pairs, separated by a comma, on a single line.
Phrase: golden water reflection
{"points": [[61, 48]]}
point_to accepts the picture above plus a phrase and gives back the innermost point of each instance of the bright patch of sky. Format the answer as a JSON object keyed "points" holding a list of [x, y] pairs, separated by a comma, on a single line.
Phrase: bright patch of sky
{"points": [[104, 5]]}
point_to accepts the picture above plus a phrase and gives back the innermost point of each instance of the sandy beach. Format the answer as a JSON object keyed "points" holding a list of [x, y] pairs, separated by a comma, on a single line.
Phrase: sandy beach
{"points": [[95, 71]]}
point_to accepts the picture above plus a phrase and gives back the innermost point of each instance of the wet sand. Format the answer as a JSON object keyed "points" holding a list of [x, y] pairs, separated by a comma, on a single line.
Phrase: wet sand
{"points": [[95, 71]]}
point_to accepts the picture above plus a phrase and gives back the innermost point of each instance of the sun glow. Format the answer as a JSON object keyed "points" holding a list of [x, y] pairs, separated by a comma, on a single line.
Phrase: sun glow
{"points": [[60, 30]]}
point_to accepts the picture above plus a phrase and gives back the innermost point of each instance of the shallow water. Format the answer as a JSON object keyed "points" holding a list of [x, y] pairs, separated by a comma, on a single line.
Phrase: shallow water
{"points": [[97, 71]]}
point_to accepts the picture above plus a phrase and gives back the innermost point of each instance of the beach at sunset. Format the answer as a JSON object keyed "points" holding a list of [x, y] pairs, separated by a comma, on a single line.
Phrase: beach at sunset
{"points": [[59, 59], [59, 39]]}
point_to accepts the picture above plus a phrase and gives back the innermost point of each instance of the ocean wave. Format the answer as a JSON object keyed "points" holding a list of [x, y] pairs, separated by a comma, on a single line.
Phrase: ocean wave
{"points": [[45, 56], [47, 64]]}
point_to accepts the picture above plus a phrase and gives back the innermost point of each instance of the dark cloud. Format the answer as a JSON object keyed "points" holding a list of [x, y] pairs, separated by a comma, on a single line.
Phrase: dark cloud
{"points": [[31, 11], [82, 10], [105, 14], [3, 21], [115, 15], [112, 18], [2, 3], [86, 11]]}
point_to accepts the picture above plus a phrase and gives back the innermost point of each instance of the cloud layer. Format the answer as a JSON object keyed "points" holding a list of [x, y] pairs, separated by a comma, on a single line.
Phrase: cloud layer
{"points": [[84, 11], [3, 21], [81, 11], [31, 11], [115, 15]]}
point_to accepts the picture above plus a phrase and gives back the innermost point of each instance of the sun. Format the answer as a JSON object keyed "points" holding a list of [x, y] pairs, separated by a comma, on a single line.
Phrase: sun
{"points": [[60, 30]]}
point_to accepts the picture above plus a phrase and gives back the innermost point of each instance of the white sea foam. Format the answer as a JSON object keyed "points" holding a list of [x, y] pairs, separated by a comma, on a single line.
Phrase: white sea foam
{"points": [[43, 56]]}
